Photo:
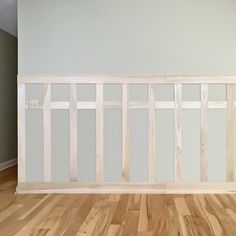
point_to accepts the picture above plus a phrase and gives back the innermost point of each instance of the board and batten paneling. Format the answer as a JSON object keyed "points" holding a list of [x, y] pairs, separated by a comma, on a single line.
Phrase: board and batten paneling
{"points": [[126, 104]]}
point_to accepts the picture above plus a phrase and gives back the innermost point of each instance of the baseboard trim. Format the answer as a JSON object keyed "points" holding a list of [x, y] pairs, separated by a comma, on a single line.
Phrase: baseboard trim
{"points": [[126, 188], [7, 164]]}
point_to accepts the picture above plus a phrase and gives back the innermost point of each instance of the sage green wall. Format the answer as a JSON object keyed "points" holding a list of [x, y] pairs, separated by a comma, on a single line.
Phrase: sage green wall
{"points": [[127, 36], [162, 37], [8, 74]]}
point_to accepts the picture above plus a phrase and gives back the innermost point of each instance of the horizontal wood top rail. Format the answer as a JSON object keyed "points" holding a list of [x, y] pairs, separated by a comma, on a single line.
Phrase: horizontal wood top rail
{"points": [[130, 79]]}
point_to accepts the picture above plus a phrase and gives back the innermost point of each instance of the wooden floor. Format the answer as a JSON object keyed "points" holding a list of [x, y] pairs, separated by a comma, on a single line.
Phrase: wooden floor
{"points": [[113, 214]]}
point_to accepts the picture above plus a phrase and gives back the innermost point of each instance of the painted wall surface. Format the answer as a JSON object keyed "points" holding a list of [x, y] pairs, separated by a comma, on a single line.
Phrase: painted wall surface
{"points": [[162, 37], [8, 75]]}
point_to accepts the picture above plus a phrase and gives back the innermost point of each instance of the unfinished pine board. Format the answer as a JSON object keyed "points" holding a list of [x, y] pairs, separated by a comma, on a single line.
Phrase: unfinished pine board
{"points": [[204, 133], [99, 133], [21, 132], [73, 132], [131, 79], [125, 133], [177, 132], [127, 188], [47, 131], [151, 134], [230, 132], [135, 105]]}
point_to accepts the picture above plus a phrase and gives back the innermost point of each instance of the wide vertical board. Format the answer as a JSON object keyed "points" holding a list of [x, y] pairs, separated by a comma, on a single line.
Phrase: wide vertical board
{"points": [[99, 132], [230, 132], [151, 134], [73, 132], [204, 133], [21, 132], [125, 133], [47, 131], [177, 131]]}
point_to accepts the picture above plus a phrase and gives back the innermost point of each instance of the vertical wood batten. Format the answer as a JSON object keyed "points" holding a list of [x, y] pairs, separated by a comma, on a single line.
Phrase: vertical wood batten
{"points": [[47, 131], [99, 133], [204, 133], [230, 132], [21, 132], [125, 132], [178, 136], [151, 134], [73, 132]]}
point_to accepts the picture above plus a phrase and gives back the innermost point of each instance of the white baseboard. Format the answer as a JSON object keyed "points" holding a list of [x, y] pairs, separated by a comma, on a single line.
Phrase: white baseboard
{"points": [[7, 164]]}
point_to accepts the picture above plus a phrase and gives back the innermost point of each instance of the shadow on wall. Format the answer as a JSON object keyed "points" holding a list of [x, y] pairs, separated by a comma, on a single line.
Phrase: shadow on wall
{"points": [[8, 99]]}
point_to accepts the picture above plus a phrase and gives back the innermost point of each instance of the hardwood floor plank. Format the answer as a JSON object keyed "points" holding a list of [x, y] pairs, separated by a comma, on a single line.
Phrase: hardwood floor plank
{"points": [[113, 214], [121, 210]]}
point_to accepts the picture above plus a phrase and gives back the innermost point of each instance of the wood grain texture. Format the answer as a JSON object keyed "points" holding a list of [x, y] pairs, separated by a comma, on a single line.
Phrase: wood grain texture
{"points": [[106, 214], [204, 133], [99, 133], [47, 131], [136, 105], [21, 132], [125, 132], [73, 132], [130, 79], [127, 187], [177, 132], [230, 132], [151, 134]]}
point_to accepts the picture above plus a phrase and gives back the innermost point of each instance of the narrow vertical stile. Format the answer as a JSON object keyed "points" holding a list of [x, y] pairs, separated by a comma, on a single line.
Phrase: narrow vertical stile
{"points": [[47, 131], [99, 132], [151, 134], [230, 132], [125, 132], [73, 132], [21, 132], [204, 133], [178, 137]]}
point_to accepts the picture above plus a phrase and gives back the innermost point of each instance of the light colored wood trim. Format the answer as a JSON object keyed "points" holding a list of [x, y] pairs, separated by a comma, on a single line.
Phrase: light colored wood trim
{"points": [[151, 134], [128, 188], [125, 132], [21, 132], [73, 132], [130, 79], [136, 105], [230, 132], [47, 132], [99, 133], [204, 133], [177, 131], [112, 105]]}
